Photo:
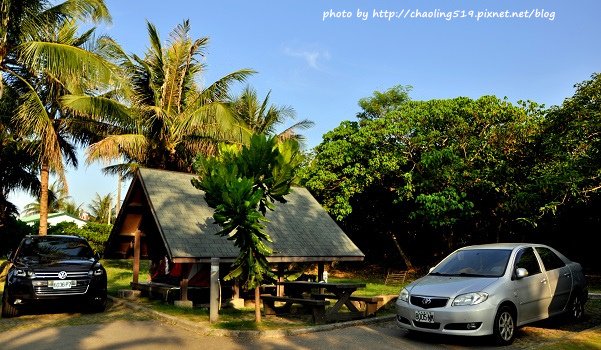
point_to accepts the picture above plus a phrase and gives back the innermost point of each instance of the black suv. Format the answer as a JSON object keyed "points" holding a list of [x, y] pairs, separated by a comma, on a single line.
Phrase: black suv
{"points": [[52, 268]]}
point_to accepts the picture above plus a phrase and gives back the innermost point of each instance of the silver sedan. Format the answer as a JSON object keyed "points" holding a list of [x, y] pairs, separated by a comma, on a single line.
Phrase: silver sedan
{"points": [[491, 289]]}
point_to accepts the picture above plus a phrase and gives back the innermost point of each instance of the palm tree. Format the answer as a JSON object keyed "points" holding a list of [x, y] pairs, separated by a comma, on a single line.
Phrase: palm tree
{"points": [[101, 208], [44, 58], [263, 118], [21, 21], [162, 118], [58, 200], [72, 208]]}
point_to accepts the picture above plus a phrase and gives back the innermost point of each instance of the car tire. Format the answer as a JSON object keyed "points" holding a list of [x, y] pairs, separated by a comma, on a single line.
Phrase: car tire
{"points": [[576, 308], [8, 310], [504, 326], [95, 306]]}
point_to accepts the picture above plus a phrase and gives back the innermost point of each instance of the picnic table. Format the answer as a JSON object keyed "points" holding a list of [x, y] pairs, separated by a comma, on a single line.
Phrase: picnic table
{"points": [[341, 292]]}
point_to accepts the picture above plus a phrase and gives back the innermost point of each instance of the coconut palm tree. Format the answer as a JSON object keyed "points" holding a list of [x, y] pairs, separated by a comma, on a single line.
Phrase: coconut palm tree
{"points": [[58, 199], [72, 208], [163, 118], [21, 21], [44, 58], [101, 208], [263, 118]]}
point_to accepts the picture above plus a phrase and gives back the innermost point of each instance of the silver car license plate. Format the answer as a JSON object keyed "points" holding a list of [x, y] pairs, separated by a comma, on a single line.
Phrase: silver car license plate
{"points": [[424, 316], [62, 284]]}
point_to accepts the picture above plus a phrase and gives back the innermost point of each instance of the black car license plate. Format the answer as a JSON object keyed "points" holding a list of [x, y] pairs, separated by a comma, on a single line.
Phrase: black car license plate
{"points": [[424, 316]]}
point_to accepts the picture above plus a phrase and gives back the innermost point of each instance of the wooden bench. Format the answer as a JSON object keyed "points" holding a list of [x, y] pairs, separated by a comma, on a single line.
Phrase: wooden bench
{"points": [[166, 292], [318, 307], [154, 289], [369, 305], [397, 277]]}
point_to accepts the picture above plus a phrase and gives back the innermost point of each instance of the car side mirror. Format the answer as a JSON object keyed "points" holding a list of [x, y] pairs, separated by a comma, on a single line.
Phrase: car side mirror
{"points": [[521, 272], [97, 256]]}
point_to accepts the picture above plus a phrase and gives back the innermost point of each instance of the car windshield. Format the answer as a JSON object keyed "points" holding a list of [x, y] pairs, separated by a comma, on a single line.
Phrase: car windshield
{"points": [[54, 248], [474, 263]]}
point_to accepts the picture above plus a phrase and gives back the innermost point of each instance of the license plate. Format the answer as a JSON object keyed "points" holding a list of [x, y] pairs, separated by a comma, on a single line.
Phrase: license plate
{"points": [[424, 316], [62, 284]]}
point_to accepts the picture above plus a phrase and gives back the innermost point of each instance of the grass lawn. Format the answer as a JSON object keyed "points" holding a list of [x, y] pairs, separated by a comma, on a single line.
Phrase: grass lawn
{"points": [[373, 287], [120, 275]]}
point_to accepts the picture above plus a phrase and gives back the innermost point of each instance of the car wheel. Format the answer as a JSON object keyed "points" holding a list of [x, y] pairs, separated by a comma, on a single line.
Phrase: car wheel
{"points": [[504, 326], [576, 308], [8, 310], [97, 305]]}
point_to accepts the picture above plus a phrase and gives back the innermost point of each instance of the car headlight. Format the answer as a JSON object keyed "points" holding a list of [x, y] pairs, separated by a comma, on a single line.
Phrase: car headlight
{"points": [[24, 273], [470, 299], [95, 272], [404, 296]]}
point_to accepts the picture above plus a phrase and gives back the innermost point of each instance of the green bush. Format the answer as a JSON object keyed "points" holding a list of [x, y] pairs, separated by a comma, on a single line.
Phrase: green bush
{"points": [[96, 234]]}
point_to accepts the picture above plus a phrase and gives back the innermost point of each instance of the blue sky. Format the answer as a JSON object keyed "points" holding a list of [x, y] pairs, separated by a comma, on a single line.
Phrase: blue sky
{"points": [[323, 67]]}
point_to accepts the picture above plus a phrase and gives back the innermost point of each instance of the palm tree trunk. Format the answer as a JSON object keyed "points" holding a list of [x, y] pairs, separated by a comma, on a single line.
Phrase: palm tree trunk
{"points": [[4, 20], [44, 175], [402, 253], [257, 305], [118, 204]]}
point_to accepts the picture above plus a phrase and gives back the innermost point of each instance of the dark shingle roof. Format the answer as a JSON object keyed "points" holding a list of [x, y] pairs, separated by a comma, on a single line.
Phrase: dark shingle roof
{"points": [[298, 228]]}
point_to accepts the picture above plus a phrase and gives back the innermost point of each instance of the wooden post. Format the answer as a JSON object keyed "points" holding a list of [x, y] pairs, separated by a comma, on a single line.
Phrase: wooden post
{"points": [[214, 291], [320, 275], [319, 271], [236, 289], [137, 238], [184, 289], [280, 288]]}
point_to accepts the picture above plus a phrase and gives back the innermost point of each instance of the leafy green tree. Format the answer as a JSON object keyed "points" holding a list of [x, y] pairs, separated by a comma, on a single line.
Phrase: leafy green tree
{"points": [[97, 234], [241, 184], [428, 174], [570, 148], [380, 103], [161, 118], [263, 118]]}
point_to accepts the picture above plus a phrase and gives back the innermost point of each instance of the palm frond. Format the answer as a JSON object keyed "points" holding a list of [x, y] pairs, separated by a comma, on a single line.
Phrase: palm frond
{"points": [[98, 108], [125, 170], [113, 147], [218, 91], [34, 120], [95, 10], [63, 60]]}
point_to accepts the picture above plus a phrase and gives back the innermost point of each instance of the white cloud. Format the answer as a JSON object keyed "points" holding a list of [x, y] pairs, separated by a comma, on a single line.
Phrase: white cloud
{"points": [[314, 58]]}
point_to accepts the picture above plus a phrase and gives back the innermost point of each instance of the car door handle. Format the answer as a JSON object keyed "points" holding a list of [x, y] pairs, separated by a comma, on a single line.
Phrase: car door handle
{"points": [[544, 280], [566, 274]]}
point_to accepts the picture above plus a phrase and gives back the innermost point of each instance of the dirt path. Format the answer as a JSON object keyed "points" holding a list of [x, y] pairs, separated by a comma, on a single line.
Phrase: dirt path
{"points": [[124, 328]]}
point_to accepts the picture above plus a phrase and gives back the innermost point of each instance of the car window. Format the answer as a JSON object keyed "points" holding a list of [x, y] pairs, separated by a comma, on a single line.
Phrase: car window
{"points": [[550, 260], [527, 260], [474, 262], [54, 248]]}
